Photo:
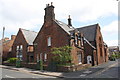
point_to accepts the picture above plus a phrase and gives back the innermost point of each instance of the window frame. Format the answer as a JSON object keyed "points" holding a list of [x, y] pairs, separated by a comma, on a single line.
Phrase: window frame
{"points": [[49, 41]]}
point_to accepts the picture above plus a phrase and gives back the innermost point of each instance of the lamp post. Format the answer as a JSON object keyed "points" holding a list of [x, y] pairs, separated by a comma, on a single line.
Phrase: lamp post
{"points": [[1, 52]]}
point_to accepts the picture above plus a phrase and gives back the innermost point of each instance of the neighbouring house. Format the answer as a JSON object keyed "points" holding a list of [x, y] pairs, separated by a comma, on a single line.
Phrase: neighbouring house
{"points": [[6, 47], [23, 45], [93, 34], [55, 33], [106, 52], [113, 50]]}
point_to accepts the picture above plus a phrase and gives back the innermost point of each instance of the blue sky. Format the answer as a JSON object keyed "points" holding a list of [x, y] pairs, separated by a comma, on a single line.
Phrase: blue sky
{"points": [[29, 14]]}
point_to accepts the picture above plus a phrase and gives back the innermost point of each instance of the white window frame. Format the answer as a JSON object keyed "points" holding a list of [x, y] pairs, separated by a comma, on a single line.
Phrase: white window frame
{"points": [[80, 58], [40, 56], [49, 41], [21, 47], [17, 48], [19, 52], [45, 56]]}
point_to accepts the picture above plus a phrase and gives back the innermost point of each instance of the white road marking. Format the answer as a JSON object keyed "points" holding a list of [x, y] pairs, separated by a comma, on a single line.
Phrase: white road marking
{"points": [[82, 75], [9, 76], [106, 69], [87, 72]]}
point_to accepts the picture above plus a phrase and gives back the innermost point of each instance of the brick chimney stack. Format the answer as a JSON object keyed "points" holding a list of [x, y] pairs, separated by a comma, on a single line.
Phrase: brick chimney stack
{"points": [[49, 13], [13, 37]]}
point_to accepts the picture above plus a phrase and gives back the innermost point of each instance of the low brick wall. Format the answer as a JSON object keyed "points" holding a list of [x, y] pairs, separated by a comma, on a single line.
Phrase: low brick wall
{"points": [[73, 68], [29, 65], [9, 64], [82, 66], [59, 68]]}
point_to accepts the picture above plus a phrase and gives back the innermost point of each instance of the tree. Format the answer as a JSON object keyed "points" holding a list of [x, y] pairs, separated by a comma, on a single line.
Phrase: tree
{"points": [[62, 54]]}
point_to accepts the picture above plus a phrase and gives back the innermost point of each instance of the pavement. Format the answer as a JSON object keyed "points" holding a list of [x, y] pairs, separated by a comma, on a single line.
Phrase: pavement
{"points": [[47, 73], [82, 73]]}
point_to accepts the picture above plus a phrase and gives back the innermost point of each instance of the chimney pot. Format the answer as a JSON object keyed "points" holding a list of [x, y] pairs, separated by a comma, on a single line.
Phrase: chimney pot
{"points": [[51, 3], [48, 4], [13, 37]]}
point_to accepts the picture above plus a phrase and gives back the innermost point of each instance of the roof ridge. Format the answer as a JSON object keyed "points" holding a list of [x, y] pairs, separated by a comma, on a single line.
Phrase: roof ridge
{"points": [[28, 30], [88, 26], [65, 23]]}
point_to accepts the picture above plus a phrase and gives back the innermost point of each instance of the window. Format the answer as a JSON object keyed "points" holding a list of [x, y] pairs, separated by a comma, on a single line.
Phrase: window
{"points": [[37, 57], [49, 41], [45, 57], [80, 58], [76, 39], [19, 49], [41, 56]]}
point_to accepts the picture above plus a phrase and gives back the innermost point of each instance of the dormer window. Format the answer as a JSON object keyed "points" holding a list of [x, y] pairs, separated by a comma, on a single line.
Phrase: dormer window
{"points": [[79, 38], [72, 36], [76, 40], [49, 41], [81, 42]]}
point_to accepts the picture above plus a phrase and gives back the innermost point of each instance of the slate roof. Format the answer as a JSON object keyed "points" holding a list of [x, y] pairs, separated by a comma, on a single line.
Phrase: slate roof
{"points": [[29, 36], [89, 43], [64, 26], [89, 31]]}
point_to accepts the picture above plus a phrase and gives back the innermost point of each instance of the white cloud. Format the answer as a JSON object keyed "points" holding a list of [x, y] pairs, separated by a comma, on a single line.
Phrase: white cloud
{"points": [[110, 33], [112, 42], [111, 29], [28, 14]]}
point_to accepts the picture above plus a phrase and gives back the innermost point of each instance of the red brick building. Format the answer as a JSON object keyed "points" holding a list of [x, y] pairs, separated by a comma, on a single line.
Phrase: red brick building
{"points": [[23, 45], [93, 34], [7, 44], [55, 33], [86, 42]]}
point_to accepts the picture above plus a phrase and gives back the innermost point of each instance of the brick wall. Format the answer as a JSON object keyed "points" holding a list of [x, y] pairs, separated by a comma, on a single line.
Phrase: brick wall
{"points": [[20, 40]]}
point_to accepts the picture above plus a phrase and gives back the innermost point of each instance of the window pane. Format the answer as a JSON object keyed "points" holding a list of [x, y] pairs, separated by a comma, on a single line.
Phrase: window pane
{"points": [[49, 41], [17, 47], [41, 56], [45, 56], [21, 47]]}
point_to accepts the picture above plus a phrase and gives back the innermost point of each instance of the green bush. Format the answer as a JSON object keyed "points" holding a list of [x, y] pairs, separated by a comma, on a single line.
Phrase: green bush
{"points": [[12, 60]]}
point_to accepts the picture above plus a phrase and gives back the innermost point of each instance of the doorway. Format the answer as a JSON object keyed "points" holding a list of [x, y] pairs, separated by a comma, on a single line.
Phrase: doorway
{"points": [[89, 59]]}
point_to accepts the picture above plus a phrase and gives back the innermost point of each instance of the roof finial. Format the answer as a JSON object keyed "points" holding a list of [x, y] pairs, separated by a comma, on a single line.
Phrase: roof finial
{"points": [[69, 16], [46, 5], [69, 21], [51, 3]]}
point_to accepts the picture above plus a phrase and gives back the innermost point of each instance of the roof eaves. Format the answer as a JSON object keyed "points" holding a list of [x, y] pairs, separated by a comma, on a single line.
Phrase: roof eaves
{"points": [[62, 25]]}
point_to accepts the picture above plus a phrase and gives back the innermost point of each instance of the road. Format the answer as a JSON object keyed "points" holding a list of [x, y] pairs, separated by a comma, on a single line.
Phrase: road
{"points": [[106, 70], [7, 73], [109, 72]]}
